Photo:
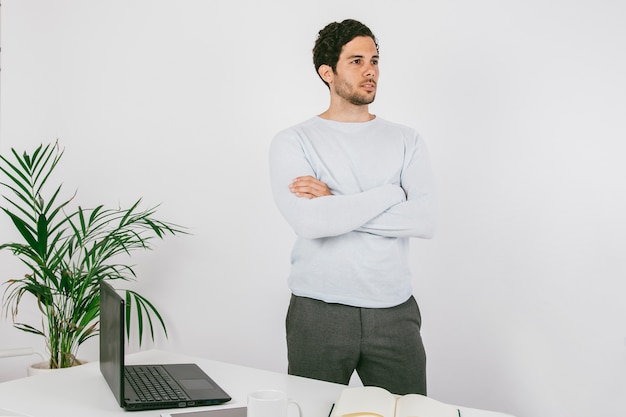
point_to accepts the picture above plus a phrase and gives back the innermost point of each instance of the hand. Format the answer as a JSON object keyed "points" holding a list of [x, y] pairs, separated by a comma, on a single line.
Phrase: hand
{"points": [[309, 187]]}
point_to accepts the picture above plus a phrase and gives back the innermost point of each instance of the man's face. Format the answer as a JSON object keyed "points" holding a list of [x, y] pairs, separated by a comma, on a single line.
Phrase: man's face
{"points": [[357, 71]]}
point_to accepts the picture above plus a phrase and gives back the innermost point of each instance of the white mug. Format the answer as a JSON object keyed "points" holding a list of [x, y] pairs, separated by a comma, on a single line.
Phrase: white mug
{"points": [[270, 403]]}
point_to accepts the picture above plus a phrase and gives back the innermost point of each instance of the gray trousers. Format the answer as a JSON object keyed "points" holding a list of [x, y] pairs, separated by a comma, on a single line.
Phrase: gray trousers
{"points": [[330, 341]]}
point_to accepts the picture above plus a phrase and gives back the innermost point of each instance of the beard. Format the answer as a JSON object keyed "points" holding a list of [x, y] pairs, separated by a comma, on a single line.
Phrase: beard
{"points": [[345, 91]]}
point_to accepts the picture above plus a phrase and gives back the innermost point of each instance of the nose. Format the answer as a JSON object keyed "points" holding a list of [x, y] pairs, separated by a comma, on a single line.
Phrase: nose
{"points": [[369, 70]]}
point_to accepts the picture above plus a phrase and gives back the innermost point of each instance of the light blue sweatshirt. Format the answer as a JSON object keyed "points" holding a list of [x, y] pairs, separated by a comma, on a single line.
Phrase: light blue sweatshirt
{"points": [[352, 247]]}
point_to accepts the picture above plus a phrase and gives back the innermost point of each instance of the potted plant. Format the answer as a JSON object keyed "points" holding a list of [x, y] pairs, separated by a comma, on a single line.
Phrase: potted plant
{"points": [[67, 251]]}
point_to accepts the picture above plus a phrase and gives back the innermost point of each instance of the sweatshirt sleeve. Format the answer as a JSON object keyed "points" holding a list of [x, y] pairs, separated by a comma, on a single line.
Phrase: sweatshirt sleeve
{"points": [[414, 217], [323, 216]]}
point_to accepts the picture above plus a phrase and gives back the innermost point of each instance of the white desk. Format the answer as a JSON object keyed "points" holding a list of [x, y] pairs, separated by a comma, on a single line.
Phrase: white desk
{"points": [[82, 391]]}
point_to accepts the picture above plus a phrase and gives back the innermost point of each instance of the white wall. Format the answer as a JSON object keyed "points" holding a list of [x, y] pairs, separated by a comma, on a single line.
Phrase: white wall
{"points": [[521, 103]]}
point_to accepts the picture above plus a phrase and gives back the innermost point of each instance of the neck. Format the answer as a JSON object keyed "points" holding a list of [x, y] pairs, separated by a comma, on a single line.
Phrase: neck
{"points": [[351, 113]]}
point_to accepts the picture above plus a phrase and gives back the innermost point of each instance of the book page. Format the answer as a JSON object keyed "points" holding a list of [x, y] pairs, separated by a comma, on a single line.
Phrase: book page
{"points": [[365, 402], [414, 405]]}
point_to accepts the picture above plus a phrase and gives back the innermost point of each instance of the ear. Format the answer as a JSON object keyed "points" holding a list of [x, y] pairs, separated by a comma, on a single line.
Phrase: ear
{"points": [[326, 73]]}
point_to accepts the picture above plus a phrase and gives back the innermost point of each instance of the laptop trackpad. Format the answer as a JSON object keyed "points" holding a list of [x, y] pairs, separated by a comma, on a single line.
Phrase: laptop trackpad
{"points": [[196, 384]]}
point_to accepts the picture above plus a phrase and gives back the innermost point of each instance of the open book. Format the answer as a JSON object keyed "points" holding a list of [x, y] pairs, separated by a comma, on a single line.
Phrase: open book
{"points": [[378, 402]]}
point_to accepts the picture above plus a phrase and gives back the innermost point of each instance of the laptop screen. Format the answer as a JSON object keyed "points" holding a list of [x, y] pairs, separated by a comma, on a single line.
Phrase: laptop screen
{"points": [[112, 339]]}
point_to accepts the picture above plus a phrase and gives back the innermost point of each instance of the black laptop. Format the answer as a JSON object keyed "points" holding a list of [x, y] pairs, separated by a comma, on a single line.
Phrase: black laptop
{"points": [[147, 387]]}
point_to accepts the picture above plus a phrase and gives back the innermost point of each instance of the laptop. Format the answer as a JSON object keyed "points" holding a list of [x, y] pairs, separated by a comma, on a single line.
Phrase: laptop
{"points": [[178, 385]]}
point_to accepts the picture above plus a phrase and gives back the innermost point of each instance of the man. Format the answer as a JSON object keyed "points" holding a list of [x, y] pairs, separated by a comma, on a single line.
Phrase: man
{"points": [[355, 188]]}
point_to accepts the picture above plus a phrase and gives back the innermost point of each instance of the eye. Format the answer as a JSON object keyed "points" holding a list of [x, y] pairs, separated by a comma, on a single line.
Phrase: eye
{"points": [[356, 61]]}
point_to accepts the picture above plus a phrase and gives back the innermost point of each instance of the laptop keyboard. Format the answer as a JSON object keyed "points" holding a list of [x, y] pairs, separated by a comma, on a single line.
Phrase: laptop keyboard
{"points": [[152, 383]]}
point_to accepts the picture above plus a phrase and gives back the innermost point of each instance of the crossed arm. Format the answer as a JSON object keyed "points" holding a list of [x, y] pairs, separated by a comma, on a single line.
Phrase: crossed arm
{"points": [[389, 210], [411, 217]]}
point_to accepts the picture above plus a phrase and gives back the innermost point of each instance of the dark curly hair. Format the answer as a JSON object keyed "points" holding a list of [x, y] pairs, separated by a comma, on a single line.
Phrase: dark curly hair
{"points": [[333, 37]]}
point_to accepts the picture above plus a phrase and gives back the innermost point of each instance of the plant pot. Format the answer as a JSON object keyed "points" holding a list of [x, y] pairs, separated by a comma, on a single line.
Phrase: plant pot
{"points": [[43, 367]]}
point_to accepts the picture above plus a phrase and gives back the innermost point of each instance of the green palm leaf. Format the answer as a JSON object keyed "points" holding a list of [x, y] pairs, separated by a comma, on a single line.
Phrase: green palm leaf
{"points": [[67, 252]]}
